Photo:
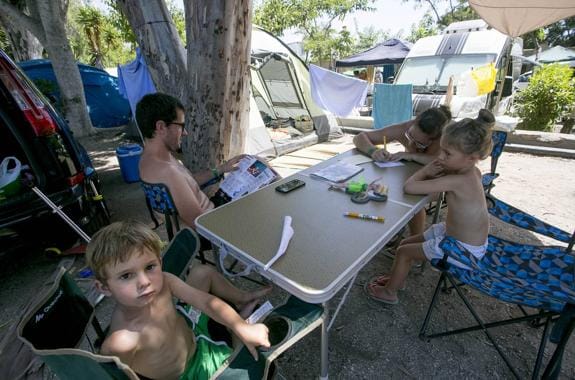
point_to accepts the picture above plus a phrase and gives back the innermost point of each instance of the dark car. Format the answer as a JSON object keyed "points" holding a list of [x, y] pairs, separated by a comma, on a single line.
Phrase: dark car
{"points": [[51, 160]]}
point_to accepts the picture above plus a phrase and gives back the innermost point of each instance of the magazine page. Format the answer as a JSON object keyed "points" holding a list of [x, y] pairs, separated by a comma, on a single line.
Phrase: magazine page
{"points": [[337, 172], [250, 176]]}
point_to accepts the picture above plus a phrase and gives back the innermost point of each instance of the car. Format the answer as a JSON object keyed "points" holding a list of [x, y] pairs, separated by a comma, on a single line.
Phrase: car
{"points": [[523, 80], [51, 160]]}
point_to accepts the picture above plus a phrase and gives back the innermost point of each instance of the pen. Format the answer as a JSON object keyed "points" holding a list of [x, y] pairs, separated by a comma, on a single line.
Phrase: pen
{"points": [[364, 216]]}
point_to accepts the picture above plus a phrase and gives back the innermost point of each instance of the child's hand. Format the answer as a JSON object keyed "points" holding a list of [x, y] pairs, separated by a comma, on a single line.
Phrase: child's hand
{"points": [[381, 155], [400, 156], [254, 336], [433, 169]]}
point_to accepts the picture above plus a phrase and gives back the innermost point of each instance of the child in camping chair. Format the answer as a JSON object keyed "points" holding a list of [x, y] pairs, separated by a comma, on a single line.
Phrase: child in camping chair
{"points": [[463, 144], [146, 331]]}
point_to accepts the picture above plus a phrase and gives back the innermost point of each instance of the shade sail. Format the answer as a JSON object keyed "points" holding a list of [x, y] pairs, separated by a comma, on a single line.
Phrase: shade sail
{"points": [[388, 52], [517, 17]]}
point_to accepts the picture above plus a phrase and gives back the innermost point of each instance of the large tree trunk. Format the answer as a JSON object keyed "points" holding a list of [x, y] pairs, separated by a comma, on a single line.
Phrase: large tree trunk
{"points": [[218, 43], [23, 43], [46, 21], [160, 43]]}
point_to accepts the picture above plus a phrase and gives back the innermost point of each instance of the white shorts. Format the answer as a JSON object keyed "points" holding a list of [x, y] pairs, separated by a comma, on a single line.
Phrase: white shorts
{"points": [[435, 234]]}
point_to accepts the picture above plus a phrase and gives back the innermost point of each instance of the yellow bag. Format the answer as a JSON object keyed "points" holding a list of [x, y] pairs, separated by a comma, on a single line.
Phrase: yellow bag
{"points": [[484, 77]]}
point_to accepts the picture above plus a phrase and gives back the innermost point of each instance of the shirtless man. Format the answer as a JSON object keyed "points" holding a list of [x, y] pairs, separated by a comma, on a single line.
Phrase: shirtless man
{"points": [[161, 120]]}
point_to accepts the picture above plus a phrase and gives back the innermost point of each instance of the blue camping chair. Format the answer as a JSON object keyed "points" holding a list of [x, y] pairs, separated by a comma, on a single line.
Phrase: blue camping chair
{"points": [[59, 324], [539, 277]]}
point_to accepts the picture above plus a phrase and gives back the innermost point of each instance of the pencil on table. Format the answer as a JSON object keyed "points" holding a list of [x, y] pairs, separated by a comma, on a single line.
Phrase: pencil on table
{"points": [[385, 143]]}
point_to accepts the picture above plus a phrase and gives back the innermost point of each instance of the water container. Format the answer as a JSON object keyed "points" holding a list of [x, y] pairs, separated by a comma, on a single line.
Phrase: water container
{"points": [[129, 158], [9, 178]]}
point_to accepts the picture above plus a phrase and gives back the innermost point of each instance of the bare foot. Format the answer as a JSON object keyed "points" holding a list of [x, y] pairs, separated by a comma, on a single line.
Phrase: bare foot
{"points": [[382, 281], [381, 294], [256, 295]]}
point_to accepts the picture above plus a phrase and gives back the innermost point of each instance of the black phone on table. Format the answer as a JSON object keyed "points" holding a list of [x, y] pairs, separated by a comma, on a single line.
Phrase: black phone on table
{"points": [[290, 186]]}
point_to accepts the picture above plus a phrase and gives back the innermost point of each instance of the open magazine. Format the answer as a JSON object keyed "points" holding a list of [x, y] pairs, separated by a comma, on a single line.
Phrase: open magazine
{"points": [[250, 176]]}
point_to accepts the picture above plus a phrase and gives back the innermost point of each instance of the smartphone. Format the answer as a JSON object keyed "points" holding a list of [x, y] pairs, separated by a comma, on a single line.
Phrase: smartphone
{"points": [[290, 185]]}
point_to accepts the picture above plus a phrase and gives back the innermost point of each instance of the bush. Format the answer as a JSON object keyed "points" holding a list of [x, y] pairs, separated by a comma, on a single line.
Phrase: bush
{"points": [[549, 95]]}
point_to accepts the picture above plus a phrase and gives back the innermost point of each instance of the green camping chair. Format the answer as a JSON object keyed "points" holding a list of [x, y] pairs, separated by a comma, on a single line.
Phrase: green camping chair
{"points": [[56, 327]]}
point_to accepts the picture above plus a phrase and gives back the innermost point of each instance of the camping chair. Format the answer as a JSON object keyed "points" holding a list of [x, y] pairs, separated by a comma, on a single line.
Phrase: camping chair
{"points": [[499, 139], [539, 277], [55, 327]]}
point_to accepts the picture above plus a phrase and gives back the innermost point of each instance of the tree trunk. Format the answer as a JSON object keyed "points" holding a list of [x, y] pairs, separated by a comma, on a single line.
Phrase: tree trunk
{"points": [[218, 43], [47, 22], [160, 43], [53, 19], [23, 43]]}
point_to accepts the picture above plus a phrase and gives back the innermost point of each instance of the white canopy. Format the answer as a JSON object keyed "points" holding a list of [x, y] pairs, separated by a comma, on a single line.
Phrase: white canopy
{"points": [[517, 17]]}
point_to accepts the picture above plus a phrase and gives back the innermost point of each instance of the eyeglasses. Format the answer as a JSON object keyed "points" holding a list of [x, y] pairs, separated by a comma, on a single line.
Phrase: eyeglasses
{"points": [[418, 145], [181, 125]]}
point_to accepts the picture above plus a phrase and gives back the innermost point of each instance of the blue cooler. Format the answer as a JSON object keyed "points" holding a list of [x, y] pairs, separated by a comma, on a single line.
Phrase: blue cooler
{"points": [[129, 158]]}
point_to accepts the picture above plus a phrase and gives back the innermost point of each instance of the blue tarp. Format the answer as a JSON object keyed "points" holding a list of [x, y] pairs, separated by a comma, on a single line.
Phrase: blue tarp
{"points": [[388, 52], [107, 108]]}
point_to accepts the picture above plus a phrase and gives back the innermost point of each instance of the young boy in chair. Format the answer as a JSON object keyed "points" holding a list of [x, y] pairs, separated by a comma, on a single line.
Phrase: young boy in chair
{"points": [[146, 331]]}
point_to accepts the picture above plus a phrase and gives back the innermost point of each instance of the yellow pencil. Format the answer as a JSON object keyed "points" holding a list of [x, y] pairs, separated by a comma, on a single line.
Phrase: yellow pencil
{"points": [[385, 143]]}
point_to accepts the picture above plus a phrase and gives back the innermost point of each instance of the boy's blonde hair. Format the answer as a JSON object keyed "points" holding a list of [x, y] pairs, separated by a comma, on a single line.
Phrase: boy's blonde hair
{"points": [[471, 136], [117, 243]]}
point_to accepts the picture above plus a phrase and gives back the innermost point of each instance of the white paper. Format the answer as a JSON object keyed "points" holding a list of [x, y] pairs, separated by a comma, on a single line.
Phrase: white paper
{"points": [[388, 164], [250, 176], [287, 234], [260, 312], [338, 172], [357, 159]]}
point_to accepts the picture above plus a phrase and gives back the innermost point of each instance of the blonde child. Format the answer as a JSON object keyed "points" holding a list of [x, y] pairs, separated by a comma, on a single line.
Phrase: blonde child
{"points": [[463, 144], [146, 332], [420, 139]]}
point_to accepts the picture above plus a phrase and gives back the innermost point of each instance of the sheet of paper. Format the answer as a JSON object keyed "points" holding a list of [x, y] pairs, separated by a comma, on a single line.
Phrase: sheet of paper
{"points": [[389, 164]]}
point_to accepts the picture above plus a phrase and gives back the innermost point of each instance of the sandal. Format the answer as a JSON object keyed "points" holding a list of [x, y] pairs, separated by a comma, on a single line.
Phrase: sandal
{"points": [[381, 280], [370, 295]]}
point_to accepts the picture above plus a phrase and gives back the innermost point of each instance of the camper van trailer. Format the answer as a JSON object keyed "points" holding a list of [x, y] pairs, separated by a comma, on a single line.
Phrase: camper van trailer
{"points": [[461, 47]]}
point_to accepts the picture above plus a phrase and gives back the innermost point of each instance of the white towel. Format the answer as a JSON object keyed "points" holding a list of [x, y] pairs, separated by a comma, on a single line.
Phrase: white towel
{"points": [[335, 92]]}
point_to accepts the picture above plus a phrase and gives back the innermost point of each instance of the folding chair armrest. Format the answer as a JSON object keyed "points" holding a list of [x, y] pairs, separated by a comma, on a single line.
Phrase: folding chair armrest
{"points": [[514, 216]]}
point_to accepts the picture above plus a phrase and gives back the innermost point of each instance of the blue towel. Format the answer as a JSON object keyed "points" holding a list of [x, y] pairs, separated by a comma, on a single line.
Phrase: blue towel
{"points": [[391, 104]]}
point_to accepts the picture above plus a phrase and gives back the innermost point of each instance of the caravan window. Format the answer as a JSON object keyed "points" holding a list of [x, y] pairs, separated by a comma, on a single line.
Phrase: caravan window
{"points": [[432, 73]]}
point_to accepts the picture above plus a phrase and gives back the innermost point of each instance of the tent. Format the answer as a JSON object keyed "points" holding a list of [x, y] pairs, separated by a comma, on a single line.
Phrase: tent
{"points": [[517, 17], [557, 54], [107, 108], [283, 116], [391, 51]]}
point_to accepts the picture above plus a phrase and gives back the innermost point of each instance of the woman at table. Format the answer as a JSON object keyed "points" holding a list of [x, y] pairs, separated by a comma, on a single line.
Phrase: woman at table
{"points": [[420, 138]]}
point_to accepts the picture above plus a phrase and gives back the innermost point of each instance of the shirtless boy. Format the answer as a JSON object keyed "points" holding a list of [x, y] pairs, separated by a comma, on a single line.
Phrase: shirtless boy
{"points": [[146, 332], [463, 144]]}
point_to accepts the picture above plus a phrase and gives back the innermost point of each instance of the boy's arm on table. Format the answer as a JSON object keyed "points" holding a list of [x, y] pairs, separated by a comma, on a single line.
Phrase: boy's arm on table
{"points": [[430, 179], [252, 335]]}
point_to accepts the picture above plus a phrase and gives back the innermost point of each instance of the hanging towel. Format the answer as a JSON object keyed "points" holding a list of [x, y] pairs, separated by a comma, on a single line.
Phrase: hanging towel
{"points": [[335, 92], [391, 104], [134, 80]]}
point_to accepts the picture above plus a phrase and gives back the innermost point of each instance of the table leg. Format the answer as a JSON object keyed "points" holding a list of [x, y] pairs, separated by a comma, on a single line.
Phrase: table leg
{"points": [[324, 344]]}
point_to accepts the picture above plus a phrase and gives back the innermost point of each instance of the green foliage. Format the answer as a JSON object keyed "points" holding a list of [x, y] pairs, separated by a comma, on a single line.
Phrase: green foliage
{"points": [[549, 95], [313, 18], [426, 27], [368, 38]]}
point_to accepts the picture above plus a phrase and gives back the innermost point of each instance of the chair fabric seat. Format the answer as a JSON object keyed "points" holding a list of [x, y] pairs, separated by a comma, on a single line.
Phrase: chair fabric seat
{"points": [[534, 276]]}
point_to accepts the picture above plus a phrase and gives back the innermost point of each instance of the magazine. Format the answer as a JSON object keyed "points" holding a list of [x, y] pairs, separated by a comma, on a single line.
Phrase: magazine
{"points": [[250, 176], [338, 172]]}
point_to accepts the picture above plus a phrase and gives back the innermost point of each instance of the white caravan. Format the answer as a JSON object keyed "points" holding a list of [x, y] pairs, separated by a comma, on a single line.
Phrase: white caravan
{"points": [[461, 47]]}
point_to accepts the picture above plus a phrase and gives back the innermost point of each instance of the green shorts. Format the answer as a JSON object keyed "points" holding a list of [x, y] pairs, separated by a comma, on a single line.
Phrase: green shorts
{"points": [[209, 355]]}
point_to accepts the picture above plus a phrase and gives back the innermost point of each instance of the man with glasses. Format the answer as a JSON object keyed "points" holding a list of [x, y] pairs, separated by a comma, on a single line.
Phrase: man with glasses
{"points": [[420, 139], [161, 120]]}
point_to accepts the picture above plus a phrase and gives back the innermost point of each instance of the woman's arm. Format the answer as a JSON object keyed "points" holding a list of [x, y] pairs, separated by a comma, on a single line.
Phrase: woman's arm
{"points": [[366, 142]]}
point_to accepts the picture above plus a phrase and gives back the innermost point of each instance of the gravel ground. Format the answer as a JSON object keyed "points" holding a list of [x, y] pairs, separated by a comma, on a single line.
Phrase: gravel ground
{"points": [[367, 340]]}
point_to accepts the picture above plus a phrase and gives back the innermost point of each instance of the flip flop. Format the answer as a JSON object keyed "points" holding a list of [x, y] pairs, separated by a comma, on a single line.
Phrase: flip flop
{"points": [[381, 281], [377, 299]]}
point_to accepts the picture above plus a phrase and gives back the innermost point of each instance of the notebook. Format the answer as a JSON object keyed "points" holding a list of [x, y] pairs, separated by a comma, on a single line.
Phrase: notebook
{"points": [[337, 172]]}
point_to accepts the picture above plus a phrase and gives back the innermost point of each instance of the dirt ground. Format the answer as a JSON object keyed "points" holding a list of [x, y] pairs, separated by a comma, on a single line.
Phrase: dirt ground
{"points": [[367, 340]]}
